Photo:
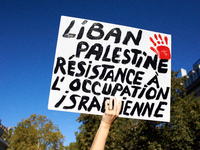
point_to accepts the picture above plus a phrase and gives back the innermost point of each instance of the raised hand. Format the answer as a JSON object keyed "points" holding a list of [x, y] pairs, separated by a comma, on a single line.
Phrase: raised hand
{"points": [[112, 110]]}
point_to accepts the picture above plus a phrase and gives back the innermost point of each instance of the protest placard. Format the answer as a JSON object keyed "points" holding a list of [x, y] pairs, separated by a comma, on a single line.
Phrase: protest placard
{"points": [[95, 61]]}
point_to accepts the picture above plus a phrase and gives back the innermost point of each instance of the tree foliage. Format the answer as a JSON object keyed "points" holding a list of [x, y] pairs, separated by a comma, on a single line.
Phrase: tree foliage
{"points": [[182, 132], [72, 146], [35, 133]]}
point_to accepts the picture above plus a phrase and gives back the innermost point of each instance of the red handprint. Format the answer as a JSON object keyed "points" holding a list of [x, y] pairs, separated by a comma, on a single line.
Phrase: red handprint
{"points": [[161, 48]]}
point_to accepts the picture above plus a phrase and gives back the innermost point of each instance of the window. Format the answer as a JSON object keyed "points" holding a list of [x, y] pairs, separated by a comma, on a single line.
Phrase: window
{"points": [[197, 73], [191, 79]]}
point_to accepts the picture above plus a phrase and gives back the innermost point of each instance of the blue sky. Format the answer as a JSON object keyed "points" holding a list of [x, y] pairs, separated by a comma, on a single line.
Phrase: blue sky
{"points": [[28, 36]]}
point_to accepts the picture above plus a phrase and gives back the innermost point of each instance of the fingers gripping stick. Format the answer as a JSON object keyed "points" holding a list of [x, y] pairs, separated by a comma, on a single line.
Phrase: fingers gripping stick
{"points": [[112, 109]]}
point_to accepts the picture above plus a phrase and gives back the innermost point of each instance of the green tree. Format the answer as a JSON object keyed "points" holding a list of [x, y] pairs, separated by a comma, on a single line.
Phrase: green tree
{"points": [[182, 132], [35, 133], [72, 146]]}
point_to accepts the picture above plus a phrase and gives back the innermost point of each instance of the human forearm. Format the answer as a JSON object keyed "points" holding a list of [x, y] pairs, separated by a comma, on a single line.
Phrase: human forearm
{"points": [[109, 116], [101, 136]]}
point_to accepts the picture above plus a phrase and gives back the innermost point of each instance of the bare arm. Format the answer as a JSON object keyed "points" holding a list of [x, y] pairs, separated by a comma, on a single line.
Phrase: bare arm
{"points": [[111, 113]]}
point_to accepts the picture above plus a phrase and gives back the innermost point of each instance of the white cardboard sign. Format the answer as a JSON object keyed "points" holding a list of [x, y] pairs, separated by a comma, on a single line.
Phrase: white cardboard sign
{"points": [[95, 61]]}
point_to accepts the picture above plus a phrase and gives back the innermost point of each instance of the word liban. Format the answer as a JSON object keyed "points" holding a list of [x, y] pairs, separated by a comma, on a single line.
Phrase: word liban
{"points": [[96, 61]]}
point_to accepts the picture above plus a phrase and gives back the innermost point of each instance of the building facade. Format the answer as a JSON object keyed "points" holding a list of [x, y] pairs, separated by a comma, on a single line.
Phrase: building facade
{"points": [[192, 83], [3, 143]]}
